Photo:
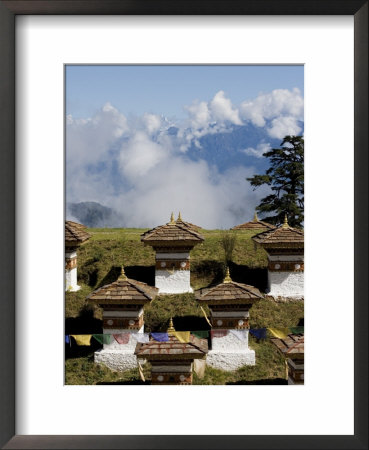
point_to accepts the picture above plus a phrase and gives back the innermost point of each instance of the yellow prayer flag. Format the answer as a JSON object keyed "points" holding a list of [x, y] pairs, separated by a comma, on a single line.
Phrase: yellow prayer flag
{"points": [[206, 317], [286, 368], [280, 333], [182, 336], [199, 366], [141, 371], [82, 339]]}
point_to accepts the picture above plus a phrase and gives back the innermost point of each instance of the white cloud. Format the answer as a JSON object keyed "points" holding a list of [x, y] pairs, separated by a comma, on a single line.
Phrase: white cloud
{"points": [[219, 110], [261, 148], [199, 115], [135, 166], [90, 139], [284, 107], [156, 180], [207, 118], [283, 126], [152, 122], [222, 109], [203, 195], [139, 155]]}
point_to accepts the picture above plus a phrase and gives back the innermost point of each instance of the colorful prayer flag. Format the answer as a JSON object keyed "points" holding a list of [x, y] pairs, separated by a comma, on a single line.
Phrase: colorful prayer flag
{"points": [[102, 338], [182, 336], [82, 339], [199, 366], [297, 330], [206, 317], [122, 338], [160, 337], [280, 333], [240, 334], [143, 338], [218, 333], [259, 333], [286, 368], [202, 334], [140, 370]]}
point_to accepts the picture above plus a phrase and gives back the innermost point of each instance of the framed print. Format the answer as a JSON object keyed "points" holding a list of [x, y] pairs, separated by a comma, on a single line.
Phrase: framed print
{"points": [[41, 42]]}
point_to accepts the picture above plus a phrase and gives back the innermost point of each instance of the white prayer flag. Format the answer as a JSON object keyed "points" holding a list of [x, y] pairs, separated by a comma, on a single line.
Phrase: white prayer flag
{"points": [[143, 338], [241, 334]]}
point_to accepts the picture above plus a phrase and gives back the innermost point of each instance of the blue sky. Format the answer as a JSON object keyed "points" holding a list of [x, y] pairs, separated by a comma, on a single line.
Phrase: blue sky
{"points": [[166, 89], [148, 140]]}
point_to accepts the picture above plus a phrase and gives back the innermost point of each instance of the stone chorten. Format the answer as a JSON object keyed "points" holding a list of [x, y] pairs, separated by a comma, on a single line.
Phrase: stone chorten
{"points": [[285, 248], [229, 303], [75, 236], [292, 348], [172, 243], [255, 224], [172, 362], [122, 303]]}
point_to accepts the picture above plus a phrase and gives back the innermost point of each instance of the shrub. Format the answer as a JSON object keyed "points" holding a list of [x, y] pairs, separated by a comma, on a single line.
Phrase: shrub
{"points": [[228, 242]]}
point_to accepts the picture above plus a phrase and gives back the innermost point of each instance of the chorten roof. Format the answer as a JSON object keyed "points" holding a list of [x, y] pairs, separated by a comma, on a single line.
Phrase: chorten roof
{"points": [[75, 233], [173, 349], [255, 224], [171, 233], [283, 236], [229, 292], [291, 346], [123, 291], [187, 224]]}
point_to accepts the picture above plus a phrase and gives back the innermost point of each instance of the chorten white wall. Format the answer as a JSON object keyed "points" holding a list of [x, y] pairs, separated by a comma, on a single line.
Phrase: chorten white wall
{"points": [[230, 353], [172, 273], [118, 357], [71, 272], [286, 284], [286, 276]]}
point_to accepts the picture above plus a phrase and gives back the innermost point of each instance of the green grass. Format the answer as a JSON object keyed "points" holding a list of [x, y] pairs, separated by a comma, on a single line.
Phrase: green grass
{"points": [[100, 258], [269, 369], [83, 370], [99, 262]]}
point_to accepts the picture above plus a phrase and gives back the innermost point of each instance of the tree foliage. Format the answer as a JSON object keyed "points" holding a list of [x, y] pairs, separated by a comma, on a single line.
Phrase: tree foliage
{"points": [[285, 177]]}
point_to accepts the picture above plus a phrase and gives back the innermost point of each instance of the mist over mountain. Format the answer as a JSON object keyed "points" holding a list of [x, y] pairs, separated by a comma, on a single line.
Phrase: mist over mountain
{"points": [[94, 215], [229, 149], [128, 171]]}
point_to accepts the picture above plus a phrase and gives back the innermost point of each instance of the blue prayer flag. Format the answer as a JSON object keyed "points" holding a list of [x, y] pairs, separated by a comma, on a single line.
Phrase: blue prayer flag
{"points": [[259, 333], [160, 337]]}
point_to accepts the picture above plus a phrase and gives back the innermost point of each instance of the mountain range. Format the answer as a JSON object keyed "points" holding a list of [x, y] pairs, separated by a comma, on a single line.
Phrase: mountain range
{"points": [[94, 215]]}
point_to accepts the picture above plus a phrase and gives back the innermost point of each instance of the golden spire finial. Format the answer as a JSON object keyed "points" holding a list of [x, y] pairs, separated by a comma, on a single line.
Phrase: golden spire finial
{"points": [[285, 223], [171, 326], [122, 275], [179, 217], [227, 278], [256, 219], [172, 219]]}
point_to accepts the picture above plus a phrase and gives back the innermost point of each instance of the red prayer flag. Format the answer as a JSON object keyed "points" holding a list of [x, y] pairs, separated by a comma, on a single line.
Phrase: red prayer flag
{"points": [[122, 338], [218, 333]]}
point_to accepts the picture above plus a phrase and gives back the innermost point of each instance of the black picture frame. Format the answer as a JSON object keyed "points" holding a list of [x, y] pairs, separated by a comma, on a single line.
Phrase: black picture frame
{"points": [[8, 12]]}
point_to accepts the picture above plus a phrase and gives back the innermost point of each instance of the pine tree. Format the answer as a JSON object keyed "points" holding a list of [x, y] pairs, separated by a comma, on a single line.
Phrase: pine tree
{"points": [[285, 177]]}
